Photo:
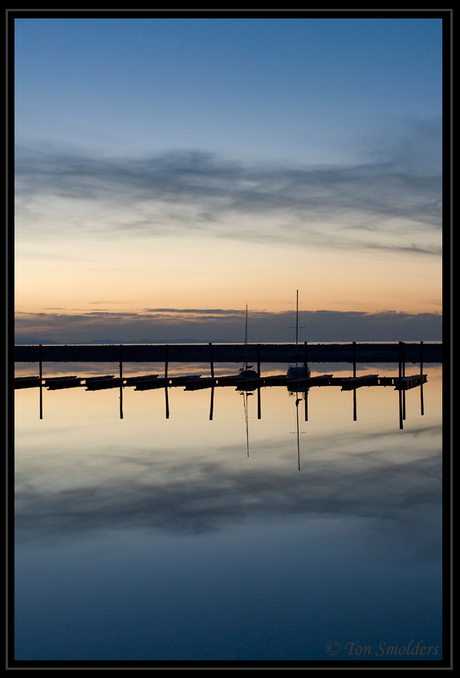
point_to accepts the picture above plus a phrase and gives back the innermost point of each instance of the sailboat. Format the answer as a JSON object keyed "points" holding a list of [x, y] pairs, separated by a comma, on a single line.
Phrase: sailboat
{"points": [[247, 372], [298, 371]]}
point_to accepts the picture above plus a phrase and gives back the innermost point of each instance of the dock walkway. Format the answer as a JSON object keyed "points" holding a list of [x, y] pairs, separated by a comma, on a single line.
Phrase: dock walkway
{"points": [[196, 382]]}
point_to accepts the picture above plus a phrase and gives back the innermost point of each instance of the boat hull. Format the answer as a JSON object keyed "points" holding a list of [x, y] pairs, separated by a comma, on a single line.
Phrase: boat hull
{"points": [[299, 372]]}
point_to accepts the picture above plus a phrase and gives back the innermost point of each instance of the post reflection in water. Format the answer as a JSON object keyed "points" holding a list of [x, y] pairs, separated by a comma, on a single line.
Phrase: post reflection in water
{"points": [[185, 527]]}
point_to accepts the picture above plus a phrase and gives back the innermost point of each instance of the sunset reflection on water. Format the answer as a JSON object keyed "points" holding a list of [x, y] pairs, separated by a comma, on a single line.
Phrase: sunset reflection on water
{"points": [[191, 541]]}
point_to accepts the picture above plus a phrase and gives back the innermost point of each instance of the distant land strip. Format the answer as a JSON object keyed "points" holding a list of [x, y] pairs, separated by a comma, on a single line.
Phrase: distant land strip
{"points": [[233, 353]]}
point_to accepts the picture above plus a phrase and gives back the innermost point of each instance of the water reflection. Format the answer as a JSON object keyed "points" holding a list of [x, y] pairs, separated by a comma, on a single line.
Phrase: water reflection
{"points": [[243, 383], [226, 522]]}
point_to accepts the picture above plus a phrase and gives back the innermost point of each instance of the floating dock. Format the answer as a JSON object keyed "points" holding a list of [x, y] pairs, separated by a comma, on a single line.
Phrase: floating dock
{"points": [[196, 382], [54, 383]]}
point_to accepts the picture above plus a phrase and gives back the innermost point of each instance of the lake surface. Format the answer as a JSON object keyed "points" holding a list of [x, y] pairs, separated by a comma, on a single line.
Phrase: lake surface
{"points": [[238, 537]]}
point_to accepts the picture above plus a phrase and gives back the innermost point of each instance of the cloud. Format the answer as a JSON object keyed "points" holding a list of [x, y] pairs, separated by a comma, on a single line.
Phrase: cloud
{"points": [[353, 476], [392, 200], [219, 325]]}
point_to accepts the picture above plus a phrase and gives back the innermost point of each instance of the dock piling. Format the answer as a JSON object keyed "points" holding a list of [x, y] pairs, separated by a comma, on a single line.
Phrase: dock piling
{"points": [[121, 381], [211, 360], [402, 395], [40, 372], [211, 407], [422, 407], [355, 414]]}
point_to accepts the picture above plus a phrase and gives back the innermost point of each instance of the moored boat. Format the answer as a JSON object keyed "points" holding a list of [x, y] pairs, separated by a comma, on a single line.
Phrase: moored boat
{"points": [[298, 371], [247, 372]]}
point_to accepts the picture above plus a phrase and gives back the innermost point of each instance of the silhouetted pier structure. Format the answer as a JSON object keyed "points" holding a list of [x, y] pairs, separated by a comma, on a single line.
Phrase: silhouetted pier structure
{"points": [[54, 383], [400, 353], [197, 382], [129, 353]]}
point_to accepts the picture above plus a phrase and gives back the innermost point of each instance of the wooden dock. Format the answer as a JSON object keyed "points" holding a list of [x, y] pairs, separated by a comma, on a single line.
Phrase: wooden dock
{"points": [[54, 383], [406, 383], [105, 381], [27, 382], [350, 383], [197, 382], [400, 354]]}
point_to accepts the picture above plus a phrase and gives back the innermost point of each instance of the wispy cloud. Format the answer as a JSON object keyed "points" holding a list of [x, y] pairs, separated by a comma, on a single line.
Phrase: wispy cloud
{"points": [[198, 495], [392, 200]]}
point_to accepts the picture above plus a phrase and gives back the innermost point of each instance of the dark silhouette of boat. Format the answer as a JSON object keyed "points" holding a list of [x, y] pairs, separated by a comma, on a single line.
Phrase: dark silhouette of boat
{"points": [[298, 371], [247, 372]]}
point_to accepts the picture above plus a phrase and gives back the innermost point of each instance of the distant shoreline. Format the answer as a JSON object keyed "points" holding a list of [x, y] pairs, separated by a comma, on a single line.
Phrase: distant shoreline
{"points": [[366, 352]]}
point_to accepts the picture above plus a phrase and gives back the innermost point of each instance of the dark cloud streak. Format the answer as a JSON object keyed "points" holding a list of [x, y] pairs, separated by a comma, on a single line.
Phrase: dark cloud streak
{"points": [[202, 191], [195, 495]]}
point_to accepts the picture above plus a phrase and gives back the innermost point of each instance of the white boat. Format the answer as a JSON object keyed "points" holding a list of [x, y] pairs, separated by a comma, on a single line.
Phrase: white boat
{"points": [[297, 371]]}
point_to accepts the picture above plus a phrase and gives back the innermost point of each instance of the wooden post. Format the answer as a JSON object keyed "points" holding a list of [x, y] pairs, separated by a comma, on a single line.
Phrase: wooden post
{"points": [[355, 415], [166, 376], [121, 381], [298, 434], [211, 361], [40, 372], [403, 346], [211, 409], [166, 360], [167, 402], [422, 409], [401, 409], [259, 404], [400, 374]]}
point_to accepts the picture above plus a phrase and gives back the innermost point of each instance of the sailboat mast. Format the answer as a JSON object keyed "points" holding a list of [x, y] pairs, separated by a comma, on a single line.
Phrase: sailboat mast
{"points": [[297, 328], [246, 329], [246, 341]]}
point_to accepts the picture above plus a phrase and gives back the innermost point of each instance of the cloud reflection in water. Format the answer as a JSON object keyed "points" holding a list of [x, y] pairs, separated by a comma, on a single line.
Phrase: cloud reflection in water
{"points": [[373, 476]]}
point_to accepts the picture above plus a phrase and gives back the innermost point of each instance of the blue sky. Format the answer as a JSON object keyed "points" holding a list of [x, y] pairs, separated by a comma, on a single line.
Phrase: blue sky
{"points": [[268, 88], [227, 161]]}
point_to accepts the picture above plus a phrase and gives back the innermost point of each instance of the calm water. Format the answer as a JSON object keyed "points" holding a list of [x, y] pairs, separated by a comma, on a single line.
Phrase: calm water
{"points": [[232, 538]]}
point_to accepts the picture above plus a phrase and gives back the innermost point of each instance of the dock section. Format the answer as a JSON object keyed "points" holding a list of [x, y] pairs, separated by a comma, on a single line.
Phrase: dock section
{"points": [[197, 382]]}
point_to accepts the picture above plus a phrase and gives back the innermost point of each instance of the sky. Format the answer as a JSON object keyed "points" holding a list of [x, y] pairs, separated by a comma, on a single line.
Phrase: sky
{"points": [[169, 171]]}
